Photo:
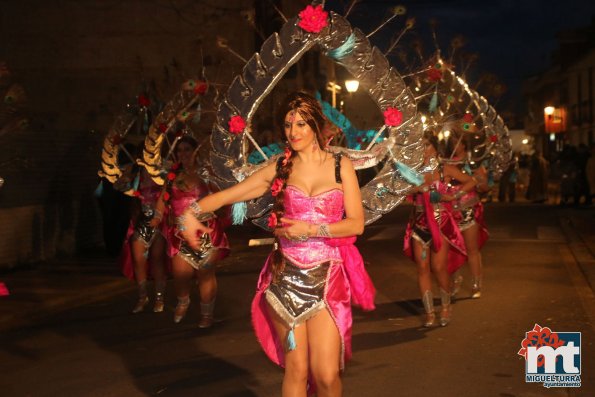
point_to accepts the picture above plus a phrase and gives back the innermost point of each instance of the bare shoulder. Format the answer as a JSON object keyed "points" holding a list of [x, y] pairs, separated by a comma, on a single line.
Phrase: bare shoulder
{"points": [[346, 164]]}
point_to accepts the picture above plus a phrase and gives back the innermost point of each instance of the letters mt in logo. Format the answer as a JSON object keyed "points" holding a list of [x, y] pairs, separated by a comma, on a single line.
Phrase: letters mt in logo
{"points": [[553, 358]]}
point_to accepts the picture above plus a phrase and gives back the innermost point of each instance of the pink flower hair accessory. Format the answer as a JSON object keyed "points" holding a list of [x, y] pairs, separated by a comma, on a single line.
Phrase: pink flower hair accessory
{"points": [[276, 187], [273, 220], [286, 155]]}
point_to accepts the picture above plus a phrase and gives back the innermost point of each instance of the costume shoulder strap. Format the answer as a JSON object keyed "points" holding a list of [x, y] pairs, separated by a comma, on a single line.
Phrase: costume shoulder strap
{"points": [[338, 167]]}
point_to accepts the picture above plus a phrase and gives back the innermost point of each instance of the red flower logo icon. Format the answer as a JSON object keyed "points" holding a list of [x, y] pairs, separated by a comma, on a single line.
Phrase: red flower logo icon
{"points": [[539, 337]]}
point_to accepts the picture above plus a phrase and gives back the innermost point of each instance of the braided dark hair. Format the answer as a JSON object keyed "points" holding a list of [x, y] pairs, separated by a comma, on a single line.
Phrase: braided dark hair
{"points": [[310, 110]]}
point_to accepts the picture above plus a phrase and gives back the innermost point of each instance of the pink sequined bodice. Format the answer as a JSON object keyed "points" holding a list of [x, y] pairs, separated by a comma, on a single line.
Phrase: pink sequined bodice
{"points": [[326, 207], [181, 199]]}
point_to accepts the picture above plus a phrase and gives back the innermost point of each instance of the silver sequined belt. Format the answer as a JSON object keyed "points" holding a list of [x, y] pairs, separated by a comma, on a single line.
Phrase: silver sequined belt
{"points": [[201, 258], [298, 294]]}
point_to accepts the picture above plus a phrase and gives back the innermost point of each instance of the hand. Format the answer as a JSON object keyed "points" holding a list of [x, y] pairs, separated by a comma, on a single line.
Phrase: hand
{"points": [[192, 229], [293, 229]]}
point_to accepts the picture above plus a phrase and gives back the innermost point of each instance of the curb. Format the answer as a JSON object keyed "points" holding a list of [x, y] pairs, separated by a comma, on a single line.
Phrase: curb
{"points": [[580, 250]]}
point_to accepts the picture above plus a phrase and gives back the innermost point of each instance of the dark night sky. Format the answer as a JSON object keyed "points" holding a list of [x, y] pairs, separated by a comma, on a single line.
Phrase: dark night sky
{"points": [[514, 39]]}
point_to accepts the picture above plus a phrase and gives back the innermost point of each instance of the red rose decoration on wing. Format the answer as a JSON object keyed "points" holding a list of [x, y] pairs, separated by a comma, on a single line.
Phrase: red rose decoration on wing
{"points": [[201, 87], [468, 118], [434, 75], [175, 166], [143, 100], [166, 196], [237, 125], [393, 117], [493, 138], [116, 139], [313, 19], [171, 176]]}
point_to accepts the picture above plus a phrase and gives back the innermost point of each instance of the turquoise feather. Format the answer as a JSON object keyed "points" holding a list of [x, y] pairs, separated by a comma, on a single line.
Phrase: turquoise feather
{"points": [[291, 345], [238, 212], [433, 103], [409, 174]]}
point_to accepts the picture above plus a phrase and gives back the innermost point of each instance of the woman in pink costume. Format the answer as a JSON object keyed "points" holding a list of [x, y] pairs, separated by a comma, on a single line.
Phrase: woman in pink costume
{"points": [[469, 215], [302, 309], [433, 239], [185, 186], [145, 245]]}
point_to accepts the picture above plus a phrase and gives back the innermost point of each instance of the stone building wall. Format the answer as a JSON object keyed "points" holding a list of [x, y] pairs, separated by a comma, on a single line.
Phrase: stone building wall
{"points": [[80, 62]]}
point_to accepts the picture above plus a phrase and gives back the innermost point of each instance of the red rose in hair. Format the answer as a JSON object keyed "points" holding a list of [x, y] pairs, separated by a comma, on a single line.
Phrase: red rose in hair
{"points": [[237, 125], [143, 100], [313, 19], [393, 117], [434, 75], [273, 220], [166, 196], [276, 187], [468, 118], [286, 155], [171, 176]]}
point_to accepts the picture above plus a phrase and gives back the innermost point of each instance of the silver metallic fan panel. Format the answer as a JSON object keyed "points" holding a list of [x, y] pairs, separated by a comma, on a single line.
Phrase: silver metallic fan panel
{"points": [[368, 65]]}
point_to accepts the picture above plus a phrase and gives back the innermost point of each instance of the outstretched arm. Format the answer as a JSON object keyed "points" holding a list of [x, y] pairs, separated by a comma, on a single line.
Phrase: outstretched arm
{"points": [[252, 187]]}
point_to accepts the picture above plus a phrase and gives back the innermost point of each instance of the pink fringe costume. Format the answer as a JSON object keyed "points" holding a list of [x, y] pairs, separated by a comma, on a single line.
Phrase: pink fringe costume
{"points": [[320, 273], [214, 245], [429, 221], [140, 229]]}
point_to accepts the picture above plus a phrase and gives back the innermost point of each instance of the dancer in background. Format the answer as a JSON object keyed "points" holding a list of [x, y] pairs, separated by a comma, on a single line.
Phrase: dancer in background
{"points": [[144, 247], [433, 239], [301, 312], [185, 186], [469, 211]]}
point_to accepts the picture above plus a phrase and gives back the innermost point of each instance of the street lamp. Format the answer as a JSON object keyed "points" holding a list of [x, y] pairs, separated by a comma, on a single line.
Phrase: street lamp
{"points": [[351, 86]]}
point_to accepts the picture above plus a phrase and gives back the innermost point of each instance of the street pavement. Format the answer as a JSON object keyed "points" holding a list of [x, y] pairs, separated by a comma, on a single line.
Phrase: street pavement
{"points": [[66, 328]]}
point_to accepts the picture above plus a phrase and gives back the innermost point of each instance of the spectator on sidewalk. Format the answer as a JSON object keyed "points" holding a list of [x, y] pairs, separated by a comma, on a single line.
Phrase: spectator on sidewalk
{"points": [[590, 176], [508, 183], [537, 190]]}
